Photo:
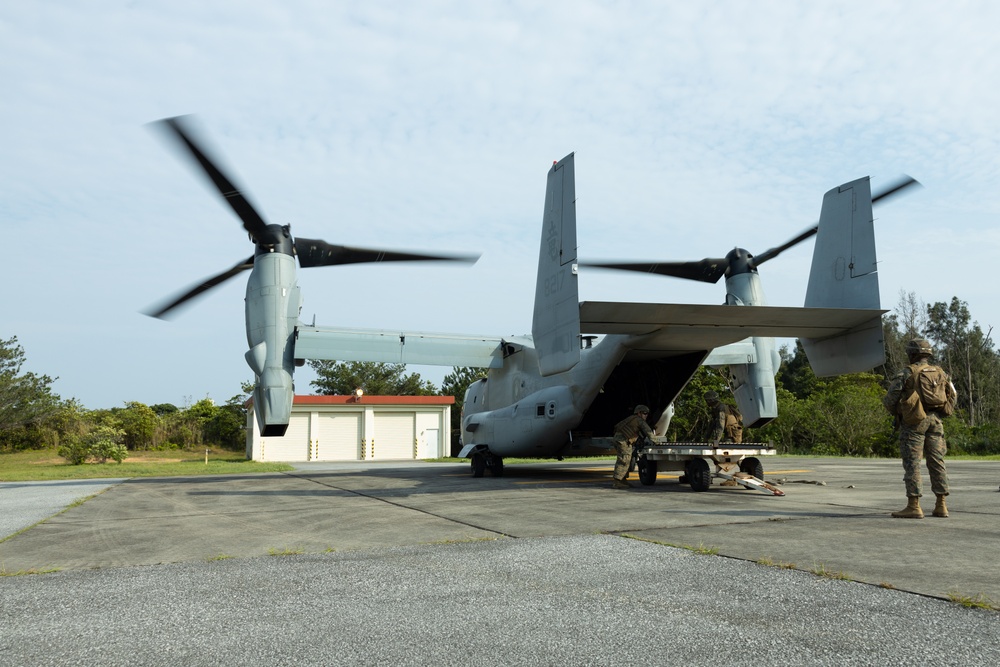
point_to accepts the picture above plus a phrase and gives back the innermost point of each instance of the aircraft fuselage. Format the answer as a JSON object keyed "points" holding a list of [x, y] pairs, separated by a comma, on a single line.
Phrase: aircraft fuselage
{"points": [[517, 412]]}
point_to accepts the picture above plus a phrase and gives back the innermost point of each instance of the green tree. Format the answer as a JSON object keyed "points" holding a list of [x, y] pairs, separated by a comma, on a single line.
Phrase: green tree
{"points": [[966, 352], [795, 374], [227, 427], [849, 417], [140, 424], [162, 409], [341, 378], [692, 415], [26, 399], [907, 321]]}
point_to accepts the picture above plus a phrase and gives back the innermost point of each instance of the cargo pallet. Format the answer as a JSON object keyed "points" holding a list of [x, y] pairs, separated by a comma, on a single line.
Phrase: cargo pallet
{"points": [[739, 463]]}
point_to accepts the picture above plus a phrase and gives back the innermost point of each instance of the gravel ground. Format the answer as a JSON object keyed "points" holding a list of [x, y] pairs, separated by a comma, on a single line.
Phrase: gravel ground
{"points": [[583, 600]]}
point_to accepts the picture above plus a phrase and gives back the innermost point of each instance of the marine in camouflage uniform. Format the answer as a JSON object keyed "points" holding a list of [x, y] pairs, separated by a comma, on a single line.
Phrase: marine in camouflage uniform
{"points": [[924, 438], [722, 416], [627, 431]]}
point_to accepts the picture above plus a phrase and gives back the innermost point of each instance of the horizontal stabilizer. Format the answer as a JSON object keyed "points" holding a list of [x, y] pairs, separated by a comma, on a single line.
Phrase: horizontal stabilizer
{"points": [[690, 327], [398, 347], [854, 352]]}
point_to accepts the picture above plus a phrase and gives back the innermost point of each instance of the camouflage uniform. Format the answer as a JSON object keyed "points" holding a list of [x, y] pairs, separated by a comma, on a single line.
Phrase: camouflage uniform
{"points": [[723, 415], [627, 431], [925, 438]]}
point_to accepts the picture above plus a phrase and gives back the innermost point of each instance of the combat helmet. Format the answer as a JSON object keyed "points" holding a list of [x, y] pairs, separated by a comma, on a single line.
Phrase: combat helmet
{"points": [[639, 409], [711, 397], [919, 347]]}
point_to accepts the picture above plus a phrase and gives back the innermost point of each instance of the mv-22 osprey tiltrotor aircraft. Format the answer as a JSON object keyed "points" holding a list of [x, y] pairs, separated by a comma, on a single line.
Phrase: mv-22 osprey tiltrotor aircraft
{"points": [[551, 394]]}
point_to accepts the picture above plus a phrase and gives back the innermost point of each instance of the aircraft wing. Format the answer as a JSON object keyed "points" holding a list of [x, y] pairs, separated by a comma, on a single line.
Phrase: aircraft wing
{"points": [[668, 329], [398, 347]]}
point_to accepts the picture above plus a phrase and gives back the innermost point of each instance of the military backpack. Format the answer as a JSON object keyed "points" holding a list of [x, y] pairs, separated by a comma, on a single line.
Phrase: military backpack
{"points": [[927, 388], [932, 383]]}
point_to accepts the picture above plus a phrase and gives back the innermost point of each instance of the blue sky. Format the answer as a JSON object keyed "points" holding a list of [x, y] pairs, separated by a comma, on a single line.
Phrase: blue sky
{"points": [[431, 125]]}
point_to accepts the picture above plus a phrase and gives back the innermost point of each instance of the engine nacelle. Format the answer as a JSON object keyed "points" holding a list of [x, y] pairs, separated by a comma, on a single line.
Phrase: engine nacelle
{"points": [[273, 303]]}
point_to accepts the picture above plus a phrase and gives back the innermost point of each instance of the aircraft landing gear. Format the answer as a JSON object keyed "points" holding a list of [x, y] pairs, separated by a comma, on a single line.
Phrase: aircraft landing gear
{"points": [[478, 464], [485, 459]]}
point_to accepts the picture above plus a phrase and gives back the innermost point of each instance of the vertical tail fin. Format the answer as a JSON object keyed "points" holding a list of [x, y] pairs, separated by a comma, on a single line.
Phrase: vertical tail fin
{"points": [[844, 275], [556, 324]]}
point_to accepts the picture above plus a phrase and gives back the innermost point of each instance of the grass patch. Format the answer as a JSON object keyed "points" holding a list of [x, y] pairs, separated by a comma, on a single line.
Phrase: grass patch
{"points": [[701, 549], [466, 540], [285, 552], [24, 573], [821, 571], [211, 559], [770, 562], [39, 465], [978, 601]]}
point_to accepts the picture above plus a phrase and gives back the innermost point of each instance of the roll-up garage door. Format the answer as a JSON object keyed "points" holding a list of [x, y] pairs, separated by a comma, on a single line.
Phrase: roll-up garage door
{"points": [[339, 437], [293, 446], [394, 435]]}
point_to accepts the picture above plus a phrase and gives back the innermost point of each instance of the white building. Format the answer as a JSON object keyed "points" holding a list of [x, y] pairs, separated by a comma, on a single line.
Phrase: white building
{"points": [[347, 428]]}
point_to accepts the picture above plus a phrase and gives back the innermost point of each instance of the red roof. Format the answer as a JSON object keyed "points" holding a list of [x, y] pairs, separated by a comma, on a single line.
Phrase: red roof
{"points": [[374, 400]]}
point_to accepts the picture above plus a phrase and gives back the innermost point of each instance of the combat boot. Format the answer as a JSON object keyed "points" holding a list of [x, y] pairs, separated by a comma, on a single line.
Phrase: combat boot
{"points": [[621, 484], [911, 511], [940, 509]]}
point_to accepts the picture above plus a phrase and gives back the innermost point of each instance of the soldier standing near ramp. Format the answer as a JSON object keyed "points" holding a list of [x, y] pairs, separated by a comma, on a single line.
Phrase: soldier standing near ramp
{"points": [[726, 423], [627, 431], [919, 397]]}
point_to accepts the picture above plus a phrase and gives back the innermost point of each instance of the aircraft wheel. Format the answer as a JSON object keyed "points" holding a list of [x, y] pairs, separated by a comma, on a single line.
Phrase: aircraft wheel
{"points": [[496, 466], [478, 465], [647, 471], [699, 475], [752, 466]]}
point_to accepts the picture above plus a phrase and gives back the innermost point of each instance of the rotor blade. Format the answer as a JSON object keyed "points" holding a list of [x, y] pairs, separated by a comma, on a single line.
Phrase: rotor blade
{"points": [[160, 311], [891, 191], [708, 270], [774, 252], [314, 252], [244, 210], [903, 183]]}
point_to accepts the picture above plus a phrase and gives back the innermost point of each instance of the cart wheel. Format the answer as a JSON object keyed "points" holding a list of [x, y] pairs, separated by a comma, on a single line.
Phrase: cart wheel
{"points": [[478, 465], [647, 471], [752, 466], [699, 475]]}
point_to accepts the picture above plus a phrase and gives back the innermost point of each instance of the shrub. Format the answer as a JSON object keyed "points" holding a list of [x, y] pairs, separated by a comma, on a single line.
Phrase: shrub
{"points": [[101, 444]]}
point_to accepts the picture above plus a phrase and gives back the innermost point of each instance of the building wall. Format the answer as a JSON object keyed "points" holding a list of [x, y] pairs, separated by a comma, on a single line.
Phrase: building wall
{"points": [[337, 428]]}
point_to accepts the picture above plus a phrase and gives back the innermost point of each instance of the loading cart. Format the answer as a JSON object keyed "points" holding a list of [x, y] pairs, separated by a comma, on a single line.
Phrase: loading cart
{"points": [[702, 461]]}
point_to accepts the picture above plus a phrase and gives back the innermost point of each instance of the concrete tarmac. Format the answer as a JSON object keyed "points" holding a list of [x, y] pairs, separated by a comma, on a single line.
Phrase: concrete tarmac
{"points": [[834, 517], [833, 521]]}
